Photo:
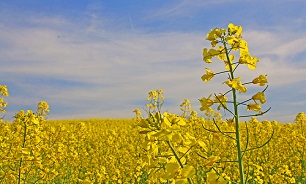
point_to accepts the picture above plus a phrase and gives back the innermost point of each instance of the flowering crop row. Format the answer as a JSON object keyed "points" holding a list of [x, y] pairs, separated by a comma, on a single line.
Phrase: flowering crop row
{"points": [[112, 151], [72, 151], [34, 150]]}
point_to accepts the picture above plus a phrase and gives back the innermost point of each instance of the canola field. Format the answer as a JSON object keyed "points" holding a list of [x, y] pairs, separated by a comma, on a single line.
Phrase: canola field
{"points": [[160, 147], [33, 150]]}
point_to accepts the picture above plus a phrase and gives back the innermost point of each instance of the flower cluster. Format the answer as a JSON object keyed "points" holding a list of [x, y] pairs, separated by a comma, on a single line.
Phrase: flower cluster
{"points": [[228, 41], [167, 142], [3, 104]]}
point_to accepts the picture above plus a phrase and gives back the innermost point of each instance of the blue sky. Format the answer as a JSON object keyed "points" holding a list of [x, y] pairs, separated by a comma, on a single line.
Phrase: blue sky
{"points": [[100, 58]]}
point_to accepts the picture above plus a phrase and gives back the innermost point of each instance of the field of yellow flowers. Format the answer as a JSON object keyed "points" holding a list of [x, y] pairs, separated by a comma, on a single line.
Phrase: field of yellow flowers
{"points": [[33, 150], [162, 147]]}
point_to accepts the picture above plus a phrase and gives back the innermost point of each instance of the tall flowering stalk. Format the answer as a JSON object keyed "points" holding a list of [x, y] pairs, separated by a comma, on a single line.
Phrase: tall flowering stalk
{"points": [[228, 41]]}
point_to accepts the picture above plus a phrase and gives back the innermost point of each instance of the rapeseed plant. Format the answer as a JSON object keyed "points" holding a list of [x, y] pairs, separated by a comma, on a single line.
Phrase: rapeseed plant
{"points": [[167, 134], [230, 40]]}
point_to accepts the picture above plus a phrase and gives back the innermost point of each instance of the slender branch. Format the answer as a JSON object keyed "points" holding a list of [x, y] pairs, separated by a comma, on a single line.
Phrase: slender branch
{"points": [[236, 67], [248, 137], [214, 131], [222, 131], [251, 98], [186, 152], [178, 159], [223, 105], [247, 175], [221, 72], [244, 102], [231, 161], [265, 88], [23, 146], [175, 155], [258, 147], [227, 92], [200, 155], [216, 171], [247, 83], [259, 114]]}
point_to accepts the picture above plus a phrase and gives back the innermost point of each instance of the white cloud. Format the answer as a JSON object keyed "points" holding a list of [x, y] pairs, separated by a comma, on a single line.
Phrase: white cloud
{"points": [[276, 51]]}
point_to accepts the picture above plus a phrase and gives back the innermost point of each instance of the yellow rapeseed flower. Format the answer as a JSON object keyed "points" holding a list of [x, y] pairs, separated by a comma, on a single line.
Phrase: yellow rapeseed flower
{"points": [[233, 29], [206, 103], [260, 96], [236, 84], [246, 58], [208, 54], [214, 34], [3, 90], [208, 76], [253, 107], [261, 80], [221, 100]]}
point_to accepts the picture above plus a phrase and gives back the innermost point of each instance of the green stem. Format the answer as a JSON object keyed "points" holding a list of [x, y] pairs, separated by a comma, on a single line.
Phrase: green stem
{"points": [[235, 103], [240, 161], [23, 146], [178, 159]]}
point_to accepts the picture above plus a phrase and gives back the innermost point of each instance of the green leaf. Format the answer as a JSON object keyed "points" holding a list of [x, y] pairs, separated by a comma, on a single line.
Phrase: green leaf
{"points": [[143, 124]]}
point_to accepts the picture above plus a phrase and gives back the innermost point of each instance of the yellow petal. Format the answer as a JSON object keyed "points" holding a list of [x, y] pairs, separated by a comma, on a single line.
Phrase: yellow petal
{"points": [[188, 171]]}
